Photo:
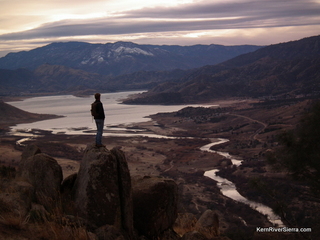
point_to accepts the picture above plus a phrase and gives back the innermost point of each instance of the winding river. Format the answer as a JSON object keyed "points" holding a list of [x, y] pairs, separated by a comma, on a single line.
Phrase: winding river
{"points": [[229, 189], [77, 121]]}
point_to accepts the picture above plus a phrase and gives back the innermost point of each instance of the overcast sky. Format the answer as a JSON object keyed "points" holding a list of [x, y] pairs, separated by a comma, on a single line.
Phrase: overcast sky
{"points": [[27, 24]]}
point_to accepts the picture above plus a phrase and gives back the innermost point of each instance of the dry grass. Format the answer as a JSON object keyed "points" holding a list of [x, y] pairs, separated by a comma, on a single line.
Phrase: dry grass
{"points": [[14, 220], [36, 225], [54, 230]]}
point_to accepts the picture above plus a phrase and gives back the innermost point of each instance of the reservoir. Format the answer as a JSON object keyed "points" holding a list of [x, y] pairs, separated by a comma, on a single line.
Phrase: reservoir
{"points": [[76, 113]]}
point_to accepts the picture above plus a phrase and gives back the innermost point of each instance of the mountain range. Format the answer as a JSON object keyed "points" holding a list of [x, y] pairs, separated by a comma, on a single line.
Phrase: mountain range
{"points": [[114, 59], [83, 67], [171, 74]]}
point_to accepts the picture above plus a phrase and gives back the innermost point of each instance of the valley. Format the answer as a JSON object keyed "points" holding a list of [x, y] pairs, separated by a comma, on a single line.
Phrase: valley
{"points": [[250, 125]]}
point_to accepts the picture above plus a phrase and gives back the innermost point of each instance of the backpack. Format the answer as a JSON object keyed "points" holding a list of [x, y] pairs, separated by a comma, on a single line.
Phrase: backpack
{"points": [[94, 109]]}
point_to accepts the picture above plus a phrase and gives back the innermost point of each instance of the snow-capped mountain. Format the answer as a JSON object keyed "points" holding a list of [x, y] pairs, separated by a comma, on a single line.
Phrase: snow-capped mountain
{"points": [[119, 58]]}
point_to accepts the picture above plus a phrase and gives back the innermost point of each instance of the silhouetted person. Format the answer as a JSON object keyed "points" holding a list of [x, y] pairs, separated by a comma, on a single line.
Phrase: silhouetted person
{"points": [[97, 112]]}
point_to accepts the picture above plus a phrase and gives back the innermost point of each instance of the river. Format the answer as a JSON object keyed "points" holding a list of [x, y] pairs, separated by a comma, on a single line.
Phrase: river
{"points": [[229, 189], [77, 120]]}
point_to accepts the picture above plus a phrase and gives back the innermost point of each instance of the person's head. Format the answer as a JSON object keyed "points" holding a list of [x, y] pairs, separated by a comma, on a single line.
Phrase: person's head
{"points": [[97, 96]]}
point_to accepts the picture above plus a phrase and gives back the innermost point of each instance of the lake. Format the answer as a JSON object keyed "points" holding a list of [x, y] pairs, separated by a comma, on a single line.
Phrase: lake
{"points": [[77, 116]]}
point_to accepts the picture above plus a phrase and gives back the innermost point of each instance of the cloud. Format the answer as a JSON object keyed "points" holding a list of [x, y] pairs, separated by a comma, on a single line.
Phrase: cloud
{"points": [[187, 21], [203, 15], [246, 10]]}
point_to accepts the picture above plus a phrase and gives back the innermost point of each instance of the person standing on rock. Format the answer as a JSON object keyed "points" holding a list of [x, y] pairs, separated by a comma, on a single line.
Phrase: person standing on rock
{"points": [[97, 112]]}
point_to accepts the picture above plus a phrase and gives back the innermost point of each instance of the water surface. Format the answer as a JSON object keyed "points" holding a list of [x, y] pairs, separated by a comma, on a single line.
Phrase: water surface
{"points": [[77, 116], [229, 189]]}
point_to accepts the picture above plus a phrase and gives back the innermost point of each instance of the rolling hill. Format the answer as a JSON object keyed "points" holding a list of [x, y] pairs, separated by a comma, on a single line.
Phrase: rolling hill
{"points": [[281, 70]]}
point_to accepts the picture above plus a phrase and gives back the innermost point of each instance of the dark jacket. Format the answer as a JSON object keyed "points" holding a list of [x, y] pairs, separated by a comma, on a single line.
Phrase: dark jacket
{"points": [[97, 108]]}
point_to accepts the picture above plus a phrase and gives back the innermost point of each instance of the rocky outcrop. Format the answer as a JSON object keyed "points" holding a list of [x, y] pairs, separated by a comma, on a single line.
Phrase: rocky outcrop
{"points": [[206, 227], [102, 190], [104, 196], [208, 224], [101, 199], [43, 173], [185, 223], [155, 205]]}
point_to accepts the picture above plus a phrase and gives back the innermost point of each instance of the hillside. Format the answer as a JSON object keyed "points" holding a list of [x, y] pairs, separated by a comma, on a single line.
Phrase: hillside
{"points": [[275, 71], [119, 58], [56, 79], [50, 79], [14, 81], [10, 115]]}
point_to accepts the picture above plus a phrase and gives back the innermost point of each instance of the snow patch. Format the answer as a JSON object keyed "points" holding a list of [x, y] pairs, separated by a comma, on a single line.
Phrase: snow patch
{"points": [[99, 56], [135, 50], [85, 61]]}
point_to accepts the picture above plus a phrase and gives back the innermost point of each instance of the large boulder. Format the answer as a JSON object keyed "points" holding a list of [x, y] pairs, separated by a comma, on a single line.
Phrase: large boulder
{"points": [[208, 224], [184, 223], [155, 205], [66, 194], [29, 151], [43, 173], [102, 190]]}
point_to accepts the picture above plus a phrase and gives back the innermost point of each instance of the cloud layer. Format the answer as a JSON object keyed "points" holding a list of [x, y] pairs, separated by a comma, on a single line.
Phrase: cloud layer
{"points": [[187, 21]]}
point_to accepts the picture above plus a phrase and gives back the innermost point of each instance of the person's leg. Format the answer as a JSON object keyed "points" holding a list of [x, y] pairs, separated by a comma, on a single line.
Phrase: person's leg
{"points": [[99, 123]]}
